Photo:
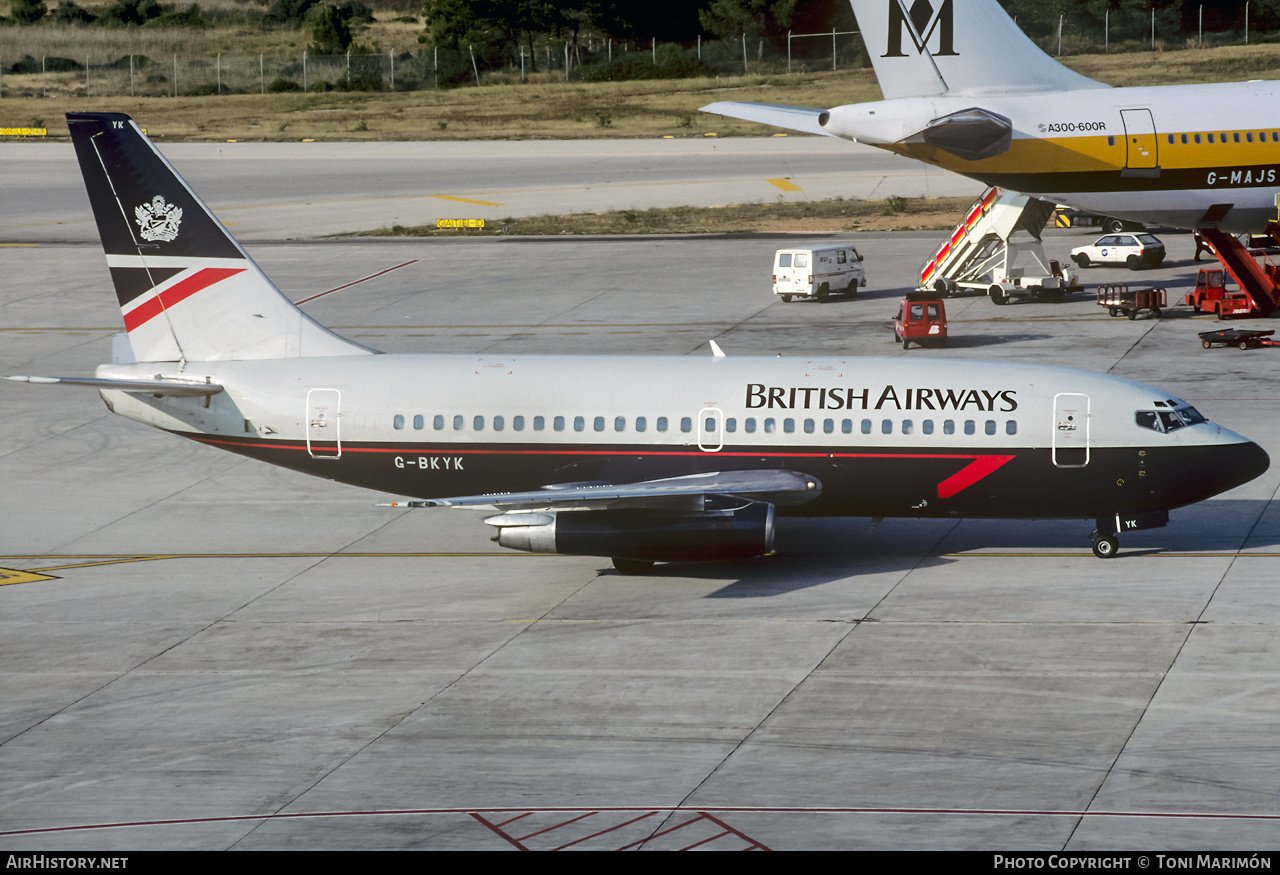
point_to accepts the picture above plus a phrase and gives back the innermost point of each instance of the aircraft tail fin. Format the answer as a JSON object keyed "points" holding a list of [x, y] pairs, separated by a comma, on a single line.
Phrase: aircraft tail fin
{"points": [[922, 48], [187, 290]]}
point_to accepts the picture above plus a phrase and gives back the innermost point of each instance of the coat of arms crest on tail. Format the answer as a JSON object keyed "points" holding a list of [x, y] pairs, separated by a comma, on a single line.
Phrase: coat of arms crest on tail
{"points": [[158, 220]]}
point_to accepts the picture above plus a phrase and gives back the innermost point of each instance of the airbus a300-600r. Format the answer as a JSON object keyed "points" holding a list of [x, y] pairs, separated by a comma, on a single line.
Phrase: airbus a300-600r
{"points": [[637, 458], [965, 89]]}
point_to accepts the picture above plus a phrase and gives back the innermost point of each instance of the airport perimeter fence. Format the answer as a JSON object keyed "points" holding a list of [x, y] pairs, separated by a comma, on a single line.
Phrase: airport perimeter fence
{"points": [[594, 60], [180, 75], [1172, 28], [431, 69]]}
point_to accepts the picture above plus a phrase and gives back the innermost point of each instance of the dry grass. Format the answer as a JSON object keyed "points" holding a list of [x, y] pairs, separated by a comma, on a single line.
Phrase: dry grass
{"points": [[547, 110], [802, 218], [105, 44]]}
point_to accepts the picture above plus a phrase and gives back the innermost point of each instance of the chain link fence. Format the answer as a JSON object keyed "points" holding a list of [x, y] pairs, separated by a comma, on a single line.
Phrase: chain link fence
{"points": [[182, 75], [591, 60]]}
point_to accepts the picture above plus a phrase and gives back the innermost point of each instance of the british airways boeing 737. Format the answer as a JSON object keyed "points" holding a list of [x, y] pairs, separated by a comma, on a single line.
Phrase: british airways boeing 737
{"points": [[637, 458]]}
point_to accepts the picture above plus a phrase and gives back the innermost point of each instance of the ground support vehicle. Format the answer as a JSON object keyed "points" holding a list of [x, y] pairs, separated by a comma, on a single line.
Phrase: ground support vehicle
{"points": [[815, 272], [1238, 338], [1211, 295], [1120, 300], [922, 320], [981, 252], [1258, 281], [1069, 217]]}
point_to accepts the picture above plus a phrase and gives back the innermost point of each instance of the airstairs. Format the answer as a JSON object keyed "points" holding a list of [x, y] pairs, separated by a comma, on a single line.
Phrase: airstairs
{"points": [[982, 251]]}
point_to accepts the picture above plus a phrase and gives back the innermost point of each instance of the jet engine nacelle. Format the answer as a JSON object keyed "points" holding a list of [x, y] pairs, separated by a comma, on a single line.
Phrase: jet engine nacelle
{"points": [[649, 535]]}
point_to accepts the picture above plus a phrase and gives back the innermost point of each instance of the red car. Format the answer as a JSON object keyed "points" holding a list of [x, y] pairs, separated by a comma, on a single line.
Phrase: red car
{"points": [[921, 321]]}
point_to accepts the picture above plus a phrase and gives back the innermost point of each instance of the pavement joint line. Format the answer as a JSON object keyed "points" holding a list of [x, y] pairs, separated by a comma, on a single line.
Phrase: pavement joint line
{"points": [[871, 810]]}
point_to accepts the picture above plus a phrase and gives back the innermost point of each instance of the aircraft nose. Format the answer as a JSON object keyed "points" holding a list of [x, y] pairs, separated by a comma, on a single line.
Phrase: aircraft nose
{"points": [[1239, 463]]}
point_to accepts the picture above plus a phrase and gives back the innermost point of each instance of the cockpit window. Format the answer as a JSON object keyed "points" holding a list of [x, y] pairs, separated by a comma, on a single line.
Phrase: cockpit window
{"points": [[1167, 420]]}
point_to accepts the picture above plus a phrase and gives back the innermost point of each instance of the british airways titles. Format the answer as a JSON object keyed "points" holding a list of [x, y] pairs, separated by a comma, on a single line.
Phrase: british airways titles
{"points": [[890, 398]]}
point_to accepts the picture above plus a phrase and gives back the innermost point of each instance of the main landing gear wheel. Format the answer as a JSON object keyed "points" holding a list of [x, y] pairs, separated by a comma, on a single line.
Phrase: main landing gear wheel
{"points": [[1104, 546], [631, 567]]}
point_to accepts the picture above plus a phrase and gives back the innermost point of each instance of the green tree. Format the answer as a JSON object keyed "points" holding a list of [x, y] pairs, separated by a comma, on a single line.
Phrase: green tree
{"points": [[126, 12], [758, 19], [71, 12], [330, 34], [28, 11], [290, 11]]}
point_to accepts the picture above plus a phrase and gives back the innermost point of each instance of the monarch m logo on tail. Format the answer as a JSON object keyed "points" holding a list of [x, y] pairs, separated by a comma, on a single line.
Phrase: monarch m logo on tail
{"points": [[920, 22]]}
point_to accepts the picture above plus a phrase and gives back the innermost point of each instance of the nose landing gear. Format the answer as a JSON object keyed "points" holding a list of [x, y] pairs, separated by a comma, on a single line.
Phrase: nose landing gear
{"points": [[1104, 546]]}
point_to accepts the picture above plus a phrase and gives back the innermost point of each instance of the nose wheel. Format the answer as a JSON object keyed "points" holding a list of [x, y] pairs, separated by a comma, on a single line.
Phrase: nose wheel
{"points": [[1104, 546]]}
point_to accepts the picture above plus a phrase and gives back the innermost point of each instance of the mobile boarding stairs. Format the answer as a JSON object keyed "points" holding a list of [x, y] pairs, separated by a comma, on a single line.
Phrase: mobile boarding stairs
{"points": [[983, 251]]}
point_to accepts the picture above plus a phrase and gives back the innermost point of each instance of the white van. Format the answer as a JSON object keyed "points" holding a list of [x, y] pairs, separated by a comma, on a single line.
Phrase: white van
{"points": [[817, 272]]}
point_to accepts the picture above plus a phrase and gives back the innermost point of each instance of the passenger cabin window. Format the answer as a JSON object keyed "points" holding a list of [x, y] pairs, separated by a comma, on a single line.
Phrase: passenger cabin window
{"points": [[398, 422]]}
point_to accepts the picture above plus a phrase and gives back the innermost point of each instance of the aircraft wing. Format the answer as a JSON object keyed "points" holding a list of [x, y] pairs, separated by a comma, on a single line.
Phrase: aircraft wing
{"points": [[778, 486], [794, 118], [176, 388]]}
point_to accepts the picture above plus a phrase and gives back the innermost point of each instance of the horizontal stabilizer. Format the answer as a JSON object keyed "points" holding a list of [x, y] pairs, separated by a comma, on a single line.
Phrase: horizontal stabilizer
{"points": [[793, 118], [171, 388], [774, 485]]}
